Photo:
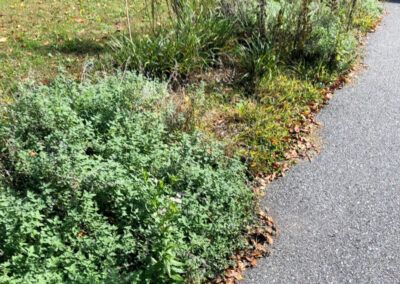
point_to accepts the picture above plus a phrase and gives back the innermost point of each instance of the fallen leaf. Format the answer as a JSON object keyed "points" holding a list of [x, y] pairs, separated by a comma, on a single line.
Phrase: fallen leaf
{"points": [[257, 253], [238, 276], [241, 266], [270, 240], [81, 234], [269, 230], [291, 154], [231, 273]]}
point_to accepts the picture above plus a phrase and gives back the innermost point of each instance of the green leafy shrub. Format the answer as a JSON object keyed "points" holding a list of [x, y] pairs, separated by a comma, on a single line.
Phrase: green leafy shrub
{"points": [[94, 189]]}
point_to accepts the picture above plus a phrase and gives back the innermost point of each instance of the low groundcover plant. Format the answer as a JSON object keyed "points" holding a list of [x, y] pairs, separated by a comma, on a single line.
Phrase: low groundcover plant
{"points": [[94, 187]]}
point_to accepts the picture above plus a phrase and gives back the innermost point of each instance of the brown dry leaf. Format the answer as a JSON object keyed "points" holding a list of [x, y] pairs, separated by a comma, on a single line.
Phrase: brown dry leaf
{"points": [[260, 231], [241, 266], [269, 223], [254, 262], [230, 281], [301, 146], [257, 253], [32, 154], [291, 154], [238, 276], [228, 272], [270, 240], [231, 273], [269, 230], [262, 214]]}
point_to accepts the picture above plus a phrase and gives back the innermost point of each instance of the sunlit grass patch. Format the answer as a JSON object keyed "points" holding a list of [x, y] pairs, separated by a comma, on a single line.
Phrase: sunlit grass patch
{"points": [[44, 37]]}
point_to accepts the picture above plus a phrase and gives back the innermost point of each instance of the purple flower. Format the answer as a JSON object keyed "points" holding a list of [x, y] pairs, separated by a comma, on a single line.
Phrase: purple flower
{"points": [[63, 145]]}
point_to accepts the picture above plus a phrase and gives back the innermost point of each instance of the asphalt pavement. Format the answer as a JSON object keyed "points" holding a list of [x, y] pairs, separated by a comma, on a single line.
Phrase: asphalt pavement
{"points": [[339, 215]]}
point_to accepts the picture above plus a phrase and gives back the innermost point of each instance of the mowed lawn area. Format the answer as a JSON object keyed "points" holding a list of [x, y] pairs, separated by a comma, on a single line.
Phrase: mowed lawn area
{"points": [[40, 39]]}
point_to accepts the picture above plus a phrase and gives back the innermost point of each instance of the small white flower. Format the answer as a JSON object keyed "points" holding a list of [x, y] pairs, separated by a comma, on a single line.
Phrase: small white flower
{"points": [[176, 200]]}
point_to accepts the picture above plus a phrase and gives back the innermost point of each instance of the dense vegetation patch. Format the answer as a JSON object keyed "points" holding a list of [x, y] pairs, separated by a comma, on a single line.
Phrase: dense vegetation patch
{"points": [[94, 188], [119, 179], [251, 36], [264, 63]]}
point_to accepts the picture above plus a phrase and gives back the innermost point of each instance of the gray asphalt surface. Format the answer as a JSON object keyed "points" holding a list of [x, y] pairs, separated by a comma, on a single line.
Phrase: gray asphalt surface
{"points": [[339, 215]]}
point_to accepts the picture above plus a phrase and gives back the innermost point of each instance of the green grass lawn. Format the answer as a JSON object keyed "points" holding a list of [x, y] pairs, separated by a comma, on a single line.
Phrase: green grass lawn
{"points": [[39, 37]]}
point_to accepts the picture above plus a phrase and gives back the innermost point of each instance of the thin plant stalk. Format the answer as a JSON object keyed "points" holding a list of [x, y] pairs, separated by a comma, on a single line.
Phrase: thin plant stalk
{"points": [[128, 19]]}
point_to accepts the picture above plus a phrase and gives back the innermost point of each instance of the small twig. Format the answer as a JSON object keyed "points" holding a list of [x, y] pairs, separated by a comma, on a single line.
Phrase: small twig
{"points": [[83, 72], [125, 69]]}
